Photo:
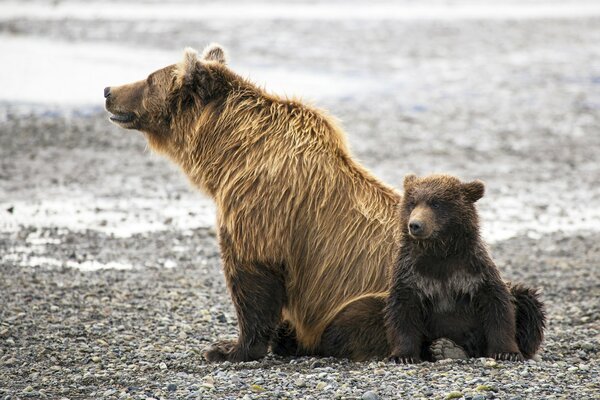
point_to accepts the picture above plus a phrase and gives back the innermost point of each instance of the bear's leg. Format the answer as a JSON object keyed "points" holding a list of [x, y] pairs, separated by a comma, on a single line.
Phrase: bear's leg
{"points": [[284, 343], [357, 332], [497, 314], [530, 319], [258, 294]]}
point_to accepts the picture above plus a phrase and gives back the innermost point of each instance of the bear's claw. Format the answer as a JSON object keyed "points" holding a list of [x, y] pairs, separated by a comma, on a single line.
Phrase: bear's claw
{"points": [[405, 359], [508, 356]]}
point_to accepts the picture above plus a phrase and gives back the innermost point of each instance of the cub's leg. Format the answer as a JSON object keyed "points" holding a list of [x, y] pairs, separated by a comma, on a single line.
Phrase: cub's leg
{"points": [[358, 331], [405, 324], [497, 313], [530, 319], [258, 294]]}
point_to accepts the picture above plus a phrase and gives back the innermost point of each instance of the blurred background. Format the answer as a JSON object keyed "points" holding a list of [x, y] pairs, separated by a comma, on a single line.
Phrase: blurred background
{"points": [[505, 91]]}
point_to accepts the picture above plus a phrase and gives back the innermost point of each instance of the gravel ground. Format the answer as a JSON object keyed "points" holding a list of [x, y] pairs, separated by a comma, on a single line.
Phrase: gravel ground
{"points": [[110, 280]]}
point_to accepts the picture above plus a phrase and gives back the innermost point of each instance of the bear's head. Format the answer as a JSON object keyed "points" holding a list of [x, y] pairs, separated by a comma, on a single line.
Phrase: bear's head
{"points": [[150, 104], [439, 208]]}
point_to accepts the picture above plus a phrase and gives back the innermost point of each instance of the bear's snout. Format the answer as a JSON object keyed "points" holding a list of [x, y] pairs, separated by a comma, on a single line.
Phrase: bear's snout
{"points": [[415, 228], [421, 222], [107, 92]]}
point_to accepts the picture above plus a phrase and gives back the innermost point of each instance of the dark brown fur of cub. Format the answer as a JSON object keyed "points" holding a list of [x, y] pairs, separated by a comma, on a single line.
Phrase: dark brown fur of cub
{"points": [[445, 283]]}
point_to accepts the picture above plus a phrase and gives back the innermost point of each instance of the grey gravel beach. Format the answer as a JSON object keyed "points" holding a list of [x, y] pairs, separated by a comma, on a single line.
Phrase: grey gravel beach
{"points": [[110, 279]]}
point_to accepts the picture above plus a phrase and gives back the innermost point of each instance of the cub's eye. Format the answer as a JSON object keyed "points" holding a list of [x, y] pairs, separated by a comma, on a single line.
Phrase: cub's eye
{"points": [[435, 204], [410, 203]]}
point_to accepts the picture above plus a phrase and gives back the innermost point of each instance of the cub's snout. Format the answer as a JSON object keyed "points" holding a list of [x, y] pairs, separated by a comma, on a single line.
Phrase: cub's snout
{"points": [[421, 222]]}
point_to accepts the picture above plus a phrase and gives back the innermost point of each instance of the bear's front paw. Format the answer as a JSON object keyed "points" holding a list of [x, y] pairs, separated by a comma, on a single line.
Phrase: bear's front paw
{"points": [[223, 350], [405, 359], [508, 356]]}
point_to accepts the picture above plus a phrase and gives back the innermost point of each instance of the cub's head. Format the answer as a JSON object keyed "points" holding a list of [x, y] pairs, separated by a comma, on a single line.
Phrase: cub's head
{"points": [[439, 207], [155, 104]]}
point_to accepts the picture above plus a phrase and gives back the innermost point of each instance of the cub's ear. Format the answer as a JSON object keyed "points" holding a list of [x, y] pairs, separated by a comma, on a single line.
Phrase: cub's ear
{"points": [[409, 180], [214, 52], [474, 190], [185, 70]]}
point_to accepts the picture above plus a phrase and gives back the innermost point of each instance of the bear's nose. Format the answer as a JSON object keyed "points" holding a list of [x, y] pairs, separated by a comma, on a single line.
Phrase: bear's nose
{"points": [[415, 227], [106, 92]]}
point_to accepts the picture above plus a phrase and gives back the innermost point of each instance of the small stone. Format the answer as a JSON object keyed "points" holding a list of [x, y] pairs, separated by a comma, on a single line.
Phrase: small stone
{"points": [[10, 361], [4, 332], [162, 366], [222, 318], [28, 389], [109, 392], [96, 359], [585, 346], [478, 397], [321, 385], [572, 369], [300, 382], [454, 395], [171, 387], [370, 395], [584, 367], [490, 364], [257, 388], [485, 388]]}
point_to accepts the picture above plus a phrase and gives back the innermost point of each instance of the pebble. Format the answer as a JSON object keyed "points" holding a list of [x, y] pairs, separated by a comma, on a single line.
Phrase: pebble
{"points": [[162, 366], [171, 387], [587, 346], [370, 395]]}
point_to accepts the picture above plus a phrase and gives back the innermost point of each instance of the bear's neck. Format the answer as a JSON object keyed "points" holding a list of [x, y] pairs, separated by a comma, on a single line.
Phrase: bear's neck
{"points": [[249, 139]]}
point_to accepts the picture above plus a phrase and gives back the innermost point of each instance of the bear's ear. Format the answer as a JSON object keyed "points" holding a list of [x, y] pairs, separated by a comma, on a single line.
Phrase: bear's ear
{"points": [[474, 190], [409, 180], [185, 70], [214, 52]]}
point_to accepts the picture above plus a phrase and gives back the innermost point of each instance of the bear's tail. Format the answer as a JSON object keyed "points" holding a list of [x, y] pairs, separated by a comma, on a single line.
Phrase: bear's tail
{"points": [[531, 319]]}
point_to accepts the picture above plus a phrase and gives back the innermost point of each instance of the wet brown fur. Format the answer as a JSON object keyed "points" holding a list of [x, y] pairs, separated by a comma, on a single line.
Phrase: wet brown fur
{"points": [[445, 283], [306, 232]]}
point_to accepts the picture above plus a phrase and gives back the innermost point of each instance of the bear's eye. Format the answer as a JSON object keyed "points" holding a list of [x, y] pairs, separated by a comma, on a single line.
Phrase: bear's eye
{"points": [[410, 203], [435, 204]]}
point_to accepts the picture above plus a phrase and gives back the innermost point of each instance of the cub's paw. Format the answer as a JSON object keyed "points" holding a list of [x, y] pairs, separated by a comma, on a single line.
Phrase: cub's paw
{"points": [[442, 349], [405, 359], [508, 356], [224, 350]]}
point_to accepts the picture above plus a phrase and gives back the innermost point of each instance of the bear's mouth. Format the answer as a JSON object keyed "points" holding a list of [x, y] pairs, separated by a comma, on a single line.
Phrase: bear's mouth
{"points": [[122, 118]]}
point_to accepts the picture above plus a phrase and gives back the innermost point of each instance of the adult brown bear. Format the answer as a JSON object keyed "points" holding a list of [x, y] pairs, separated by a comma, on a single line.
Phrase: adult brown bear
{"points": [[307, 235]]}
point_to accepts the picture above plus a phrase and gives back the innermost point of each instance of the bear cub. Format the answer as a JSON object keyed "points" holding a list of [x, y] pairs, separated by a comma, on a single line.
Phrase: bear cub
{"points": [[445, 284]]}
